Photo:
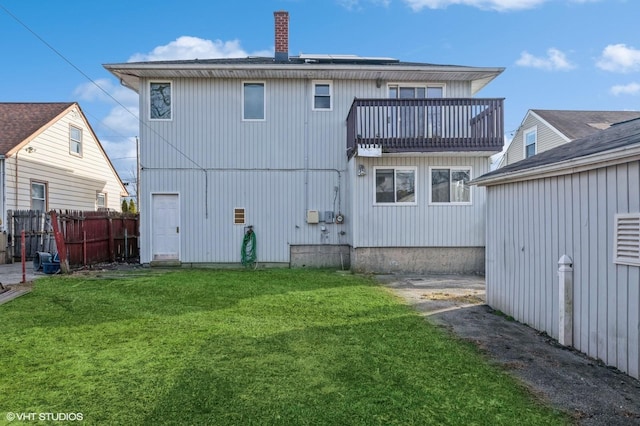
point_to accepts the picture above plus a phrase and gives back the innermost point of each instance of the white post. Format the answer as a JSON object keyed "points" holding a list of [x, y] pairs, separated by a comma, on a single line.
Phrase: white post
{"points": [[565, 317]]}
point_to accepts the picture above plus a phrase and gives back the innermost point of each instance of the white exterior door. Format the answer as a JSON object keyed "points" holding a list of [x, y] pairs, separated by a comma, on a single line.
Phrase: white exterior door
{"points": [[165, 224]]}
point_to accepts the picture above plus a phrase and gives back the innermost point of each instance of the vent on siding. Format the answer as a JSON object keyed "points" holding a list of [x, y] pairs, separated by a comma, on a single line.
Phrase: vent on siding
{"points": [[627, 239], [238, 216]]}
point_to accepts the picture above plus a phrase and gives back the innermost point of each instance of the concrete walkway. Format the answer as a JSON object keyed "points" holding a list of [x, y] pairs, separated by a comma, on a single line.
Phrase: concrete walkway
{"points": [[11, 279]]}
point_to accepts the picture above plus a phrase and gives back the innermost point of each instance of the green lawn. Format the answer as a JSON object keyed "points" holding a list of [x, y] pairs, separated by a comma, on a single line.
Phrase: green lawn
{"points": [[282, 347]]}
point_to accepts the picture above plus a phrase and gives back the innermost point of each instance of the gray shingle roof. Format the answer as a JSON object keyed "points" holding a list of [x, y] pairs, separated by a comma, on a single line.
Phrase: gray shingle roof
{"points": [[578, 124], [616, 136], [18, 121]]}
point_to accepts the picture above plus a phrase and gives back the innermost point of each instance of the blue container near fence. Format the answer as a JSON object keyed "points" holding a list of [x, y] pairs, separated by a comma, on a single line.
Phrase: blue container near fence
{"points": [[40, 258]]}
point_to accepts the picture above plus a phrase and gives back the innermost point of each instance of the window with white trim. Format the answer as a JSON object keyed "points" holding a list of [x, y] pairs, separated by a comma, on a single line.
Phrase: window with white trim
{"points": [[160, 100], [530, 142], [450, 185], [395, 185], [39, 196], [322, 96], [626, 245], [101, 200], [75, 140], [253, 100]]}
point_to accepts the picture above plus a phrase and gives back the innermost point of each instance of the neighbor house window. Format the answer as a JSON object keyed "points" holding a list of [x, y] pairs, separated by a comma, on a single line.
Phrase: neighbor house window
{"points": [[322, 95], [160, 100], [39, 196], [530, 142], [75, 140], [395, 185], [450, 185], [253, 101], [101, 200]]}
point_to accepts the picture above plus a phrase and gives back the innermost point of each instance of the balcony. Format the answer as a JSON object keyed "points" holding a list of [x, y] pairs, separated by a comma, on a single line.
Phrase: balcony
{"points": [[426, 125]]}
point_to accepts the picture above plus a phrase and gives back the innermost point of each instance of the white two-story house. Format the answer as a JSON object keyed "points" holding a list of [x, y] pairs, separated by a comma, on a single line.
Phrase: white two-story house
{"points": [[334, 160]]}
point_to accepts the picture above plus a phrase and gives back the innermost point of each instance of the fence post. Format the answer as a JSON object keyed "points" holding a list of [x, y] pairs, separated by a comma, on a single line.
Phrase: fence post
{"points": [[565, 316], [62, 248], [23, 256]]}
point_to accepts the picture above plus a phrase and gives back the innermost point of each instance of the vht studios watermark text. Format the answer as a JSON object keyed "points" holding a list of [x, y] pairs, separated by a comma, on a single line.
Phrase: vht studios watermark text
{"points": [[52, 417]]}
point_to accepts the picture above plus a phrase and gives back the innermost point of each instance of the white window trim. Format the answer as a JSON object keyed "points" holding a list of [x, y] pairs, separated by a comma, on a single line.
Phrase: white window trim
{"points": [[149, 99], [46, 193], [264, 99], [424, 85], [79, 154], [313, 94], [626, 239], [414, 169], [451, 203], [104, 194], [533, 129]]}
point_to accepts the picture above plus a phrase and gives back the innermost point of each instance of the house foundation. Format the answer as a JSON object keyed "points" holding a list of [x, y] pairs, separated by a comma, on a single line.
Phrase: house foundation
{"points": [[419, 260]]}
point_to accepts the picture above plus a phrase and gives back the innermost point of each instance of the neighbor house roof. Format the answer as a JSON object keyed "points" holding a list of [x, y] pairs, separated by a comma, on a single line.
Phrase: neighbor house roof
{"points": [[618, 143], [341, 67], [578, 124], [19, 121]]}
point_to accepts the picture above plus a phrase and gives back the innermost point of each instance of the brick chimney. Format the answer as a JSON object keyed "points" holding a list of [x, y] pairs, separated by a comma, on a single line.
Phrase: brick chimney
{"points": [[282, 35]]}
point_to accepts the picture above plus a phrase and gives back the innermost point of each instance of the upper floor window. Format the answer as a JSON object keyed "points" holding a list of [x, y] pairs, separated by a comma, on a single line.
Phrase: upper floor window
{"points": [[395, 185], [253, 101], [39, 196], [75, 140], [450, 185], [322, 96], [530, 142], [160, 100]]}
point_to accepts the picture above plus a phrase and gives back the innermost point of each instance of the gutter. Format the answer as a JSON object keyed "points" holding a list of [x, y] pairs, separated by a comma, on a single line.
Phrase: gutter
{"points": [[575, 165]]}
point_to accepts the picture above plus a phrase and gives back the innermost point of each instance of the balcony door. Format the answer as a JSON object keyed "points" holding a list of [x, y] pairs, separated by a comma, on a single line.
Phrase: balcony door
{"points": [[415, 120]]}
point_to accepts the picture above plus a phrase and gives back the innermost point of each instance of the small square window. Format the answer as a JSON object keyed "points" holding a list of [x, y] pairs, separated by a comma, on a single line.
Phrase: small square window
{"points": [[160, 100], [75, 140], [322, 99]]}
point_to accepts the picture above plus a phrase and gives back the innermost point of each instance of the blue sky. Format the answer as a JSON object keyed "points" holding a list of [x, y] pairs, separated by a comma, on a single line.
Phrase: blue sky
{"points": [[558, 54]]}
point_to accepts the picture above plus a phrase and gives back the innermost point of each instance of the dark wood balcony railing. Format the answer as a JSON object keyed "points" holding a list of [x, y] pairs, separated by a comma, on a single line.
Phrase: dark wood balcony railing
{"points": [[426, 125]]}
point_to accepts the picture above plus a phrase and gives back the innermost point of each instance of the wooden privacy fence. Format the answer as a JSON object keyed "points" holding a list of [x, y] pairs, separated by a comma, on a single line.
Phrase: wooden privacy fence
{"points": [[38, 233], [81, 237]]}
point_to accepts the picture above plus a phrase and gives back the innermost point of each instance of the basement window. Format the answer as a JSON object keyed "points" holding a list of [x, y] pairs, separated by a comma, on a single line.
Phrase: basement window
{"points": [[239, 216], [626, 245]]}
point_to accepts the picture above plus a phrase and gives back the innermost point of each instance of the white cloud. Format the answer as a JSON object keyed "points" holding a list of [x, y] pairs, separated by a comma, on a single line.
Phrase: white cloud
{"points": [[619, 58], [95, 91], [627, 89], [187, 47], [555, 60], [356, 4], [498, 5]]}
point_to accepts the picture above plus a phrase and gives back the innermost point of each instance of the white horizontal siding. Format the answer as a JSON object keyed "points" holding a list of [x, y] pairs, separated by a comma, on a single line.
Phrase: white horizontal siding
{"points": [[531, 224], [72, 181]]}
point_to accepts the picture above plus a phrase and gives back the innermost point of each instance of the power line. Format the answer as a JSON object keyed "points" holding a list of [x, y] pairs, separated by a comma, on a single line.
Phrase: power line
{"points": [[98, 86]]}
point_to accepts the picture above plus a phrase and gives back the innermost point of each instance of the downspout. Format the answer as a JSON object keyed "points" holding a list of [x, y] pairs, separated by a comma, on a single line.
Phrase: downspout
{"points": [[306, 147], [16, 188]]}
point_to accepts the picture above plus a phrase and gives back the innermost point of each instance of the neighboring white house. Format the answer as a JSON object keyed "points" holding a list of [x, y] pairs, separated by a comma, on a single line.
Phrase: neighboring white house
{"points": [[50, 158], [335, 160], [542, 130], [581, 200]]}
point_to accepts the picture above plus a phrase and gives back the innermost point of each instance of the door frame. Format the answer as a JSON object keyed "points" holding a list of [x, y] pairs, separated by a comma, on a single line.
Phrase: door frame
{"points": [[151, 233]]}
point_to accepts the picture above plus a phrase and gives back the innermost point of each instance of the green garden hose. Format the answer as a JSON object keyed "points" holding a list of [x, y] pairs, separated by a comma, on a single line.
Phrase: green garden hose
{"points": [[248, 250]]}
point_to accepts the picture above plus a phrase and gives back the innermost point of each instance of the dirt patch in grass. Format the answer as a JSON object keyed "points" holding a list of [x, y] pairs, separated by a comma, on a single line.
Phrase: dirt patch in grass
{"points": [[464, 298]]}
